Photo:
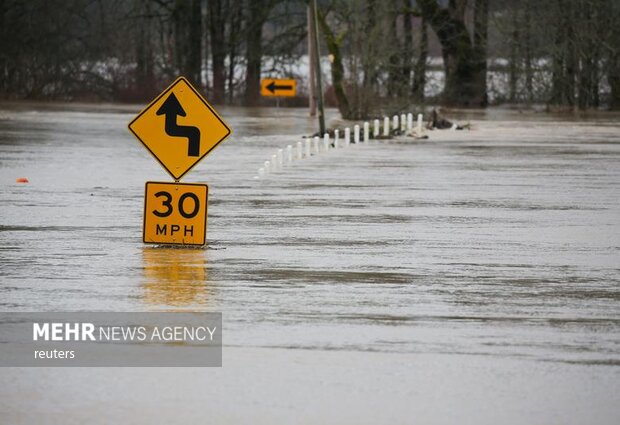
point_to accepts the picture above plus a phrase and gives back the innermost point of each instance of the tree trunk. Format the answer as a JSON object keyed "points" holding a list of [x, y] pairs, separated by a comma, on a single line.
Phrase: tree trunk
{"points": [[527, 42], [589, 54], [4, 40], [180, 17], [394, 71], [144, 82], [613, 75], [217, 21], [571, 56], [194, 56], [337, 68], [368, 65], [253, 67], [258, 10], [207, 50], [611, 16], [236, 19], [481, 24], [462, 69], [419, 78], [557, 88], [407, 48], [312, 100], [514, 45]]}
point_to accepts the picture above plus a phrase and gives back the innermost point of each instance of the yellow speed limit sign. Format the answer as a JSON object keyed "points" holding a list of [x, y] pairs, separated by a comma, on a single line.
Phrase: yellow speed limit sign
{"points": [[175, 213]]}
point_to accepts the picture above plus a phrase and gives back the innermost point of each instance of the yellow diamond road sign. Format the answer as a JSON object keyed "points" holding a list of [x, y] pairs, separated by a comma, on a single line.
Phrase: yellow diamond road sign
{"points": [[179, 128]]}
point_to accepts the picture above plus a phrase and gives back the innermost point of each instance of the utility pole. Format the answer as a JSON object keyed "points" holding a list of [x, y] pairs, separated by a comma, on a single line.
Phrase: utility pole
{"points": [[319, 85], [311, 81]]}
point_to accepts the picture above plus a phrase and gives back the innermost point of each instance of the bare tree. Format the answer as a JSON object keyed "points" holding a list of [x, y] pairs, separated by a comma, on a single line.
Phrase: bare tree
{"points": [[217, 31], [463, 68], [560, 52], [256, 17], [419, 78], [612, 48]]}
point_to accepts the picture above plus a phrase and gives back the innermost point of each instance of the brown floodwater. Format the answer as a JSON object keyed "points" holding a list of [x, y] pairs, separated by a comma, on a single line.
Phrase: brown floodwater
{"points": [[473, 277]]}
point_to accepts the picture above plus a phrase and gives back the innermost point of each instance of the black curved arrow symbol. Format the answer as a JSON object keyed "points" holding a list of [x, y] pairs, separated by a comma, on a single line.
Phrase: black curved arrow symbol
{"points": [[171, 108]]}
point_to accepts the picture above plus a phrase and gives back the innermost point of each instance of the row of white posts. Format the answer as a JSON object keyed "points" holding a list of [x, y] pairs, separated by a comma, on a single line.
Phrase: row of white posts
{"points": [[314, 146]]}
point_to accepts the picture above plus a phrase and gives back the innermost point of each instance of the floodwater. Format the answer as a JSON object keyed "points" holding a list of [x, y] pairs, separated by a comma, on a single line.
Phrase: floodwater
{"points": [[473, 277]]}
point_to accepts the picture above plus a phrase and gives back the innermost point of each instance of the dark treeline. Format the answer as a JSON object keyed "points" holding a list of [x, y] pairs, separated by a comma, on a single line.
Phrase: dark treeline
{"points": [[128, 50], [382, 54], [563, 53]]}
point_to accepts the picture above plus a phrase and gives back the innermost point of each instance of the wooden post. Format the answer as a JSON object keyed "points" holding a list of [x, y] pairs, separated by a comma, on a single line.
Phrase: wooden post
{"points": [[311, 59], [319, 85]]}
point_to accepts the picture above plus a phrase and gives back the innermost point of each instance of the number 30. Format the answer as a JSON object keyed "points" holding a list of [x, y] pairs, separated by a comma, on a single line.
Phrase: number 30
{"points": [[167, 202]]}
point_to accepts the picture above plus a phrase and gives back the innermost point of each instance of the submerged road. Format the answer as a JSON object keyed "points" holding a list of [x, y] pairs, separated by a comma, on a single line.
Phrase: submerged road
{"points": [[469, 278]]}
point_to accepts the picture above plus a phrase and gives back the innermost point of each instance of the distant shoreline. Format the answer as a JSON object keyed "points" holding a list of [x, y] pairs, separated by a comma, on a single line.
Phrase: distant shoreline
{"points": [[512, 112]]}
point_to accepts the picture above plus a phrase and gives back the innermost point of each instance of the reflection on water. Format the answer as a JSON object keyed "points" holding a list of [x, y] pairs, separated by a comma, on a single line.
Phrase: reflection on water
{"points": [[174, 277]]}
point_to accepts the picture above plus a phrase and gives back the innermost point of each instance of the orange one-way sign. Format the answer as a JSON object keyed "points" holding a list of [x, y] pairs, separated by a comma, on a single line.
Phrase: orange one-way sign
{"points": [[271, 87]]}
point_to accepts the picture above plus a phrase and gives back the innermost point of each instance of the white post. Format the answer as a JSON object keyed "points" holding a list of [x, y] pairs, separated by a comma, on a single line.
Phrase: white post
{"points": [[274, 163], [375, 130], [347, 136], [403, 122], [409, 122], [316, 145], [395, 122], [356, 134], [267, 167], [308, 143], [366, 132], [326, 142], [419, 129], [280, 155], [336, 138], [299, 150], [289, 154], [386, 127]]}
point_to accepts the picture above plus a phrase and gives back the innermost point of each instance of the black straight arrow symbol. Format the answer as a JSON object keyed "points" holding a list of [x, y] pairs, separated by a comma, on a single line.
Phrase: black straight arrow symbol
{"points": [[171, 108], [272, 87]]}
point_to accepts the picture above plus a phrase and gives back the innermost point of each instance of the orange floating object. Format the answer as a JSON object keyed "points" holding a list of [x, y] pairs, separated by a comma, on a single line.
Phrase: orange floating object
{"points": [[21, 180]]}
